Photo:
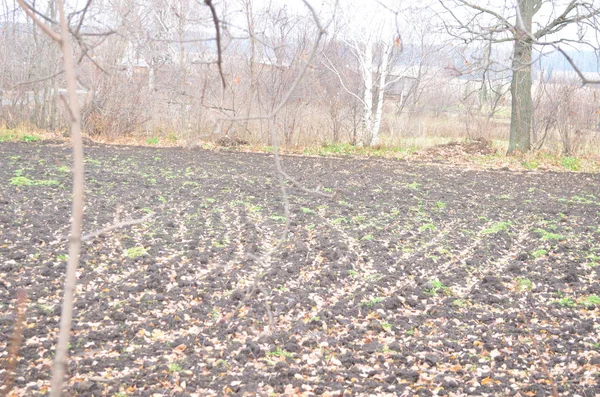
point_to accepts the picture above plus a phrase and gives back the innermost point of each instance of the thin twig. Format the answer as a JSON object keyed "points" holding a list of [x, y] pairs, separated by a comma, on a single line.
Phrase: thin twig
{"points": [[40, 80], [15, 343], [115, 226], [540, 357]]}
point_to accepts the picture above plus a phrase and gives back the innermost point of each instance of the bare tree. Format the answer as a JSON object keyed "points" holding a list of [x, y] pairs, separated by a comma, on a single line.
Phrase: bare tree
{"points": [[375, 44], [500, 23], [64, 40]]}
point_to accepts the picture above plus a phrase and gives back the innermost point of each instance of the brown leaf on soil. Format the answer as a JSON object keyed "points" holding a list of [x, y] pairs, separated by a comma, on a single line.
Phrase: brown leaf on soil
{"points": [[180, 348], [489, 381]]}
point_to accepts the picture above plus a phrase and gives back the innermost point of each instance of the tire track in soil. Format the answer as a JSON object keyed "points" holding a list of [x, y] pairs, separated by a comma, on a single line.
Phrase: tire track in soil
{"points": [[496, 267]]}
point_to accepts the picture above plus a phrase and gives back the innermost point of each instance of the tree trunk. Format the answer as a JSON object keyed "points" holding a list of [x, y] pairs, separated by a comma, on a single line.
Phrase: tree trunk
{"points": [[385, 68], [367, 116], [521, 119]]}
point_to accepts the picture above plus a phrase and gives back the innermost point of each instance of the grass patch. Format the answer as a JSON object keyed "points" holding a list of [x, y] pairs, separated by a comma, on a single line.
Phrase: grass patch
{"points": [[24, 181], [152, 141], [571, 163], [346, 149], [19, 134]]}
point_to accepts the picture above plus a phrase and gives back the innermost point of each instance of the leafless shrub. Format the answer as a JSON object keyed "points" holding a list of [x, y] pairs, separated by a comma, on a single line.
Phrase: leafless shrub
{"points": [[567, 116], [116, 107]]}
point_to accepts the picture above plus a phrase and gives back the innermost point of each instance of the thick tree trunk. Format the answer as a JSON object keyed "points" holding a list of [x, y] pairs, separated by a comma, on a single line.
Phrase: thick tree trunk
{"points": [[521, 120]]}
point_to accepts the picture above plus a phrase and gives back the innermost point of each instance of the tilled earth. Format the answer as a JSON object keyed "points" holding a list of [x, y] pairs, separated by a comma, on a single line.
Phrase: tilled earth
{"points": [[419, 279]]}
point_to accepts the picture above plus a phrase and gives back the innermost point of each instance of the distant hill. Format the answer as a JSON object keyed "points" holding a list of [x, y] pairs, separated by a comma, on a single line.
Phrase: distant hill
{"points": [[586, 61]]}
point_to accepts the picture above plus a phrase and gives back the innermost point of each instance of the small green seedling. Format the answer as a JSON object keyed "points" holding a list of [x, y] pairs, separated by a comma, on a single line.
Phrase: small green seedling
{"points": [[436, 287], [414, 186], [440, 205], [135, 252], [497, 227], [524, 284], [426, 227], [566, 302], [591, 300], [307, 211], [460, 303], [549, 236], [280, 353], [175, 367], [539, 253], [21, 181], [372, 302]]}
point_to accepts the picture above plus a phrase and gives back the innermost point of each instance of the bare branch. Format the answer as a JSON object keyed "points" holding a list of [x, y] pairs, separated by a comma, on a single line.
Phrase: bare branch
{"points": [[584, 80], [31, 14], [218, 32], [337, 73], [112, 227], [38, 80], [563, 20], [83, 12], [534, 39], [60, 361], [500, 18]]}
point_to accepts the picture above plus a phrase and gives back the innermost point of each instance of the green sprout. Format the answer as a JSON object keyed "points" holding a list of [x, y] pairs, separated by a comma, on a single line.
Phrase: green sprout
{"points": [[372, 302], [498, 227], [135, 252]]}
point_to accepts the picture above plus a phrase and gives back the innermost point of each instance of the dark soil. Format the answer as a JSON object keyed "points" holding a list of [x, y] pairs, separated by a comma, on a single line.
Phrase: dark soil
{"points": [[420, 280]]}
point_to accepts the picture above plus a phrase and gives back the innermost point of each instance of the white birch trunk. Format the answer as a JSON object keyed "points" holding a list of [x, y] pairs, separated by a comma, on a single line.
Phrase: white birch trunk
{"points": [[366, 61], [385, 69]]}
